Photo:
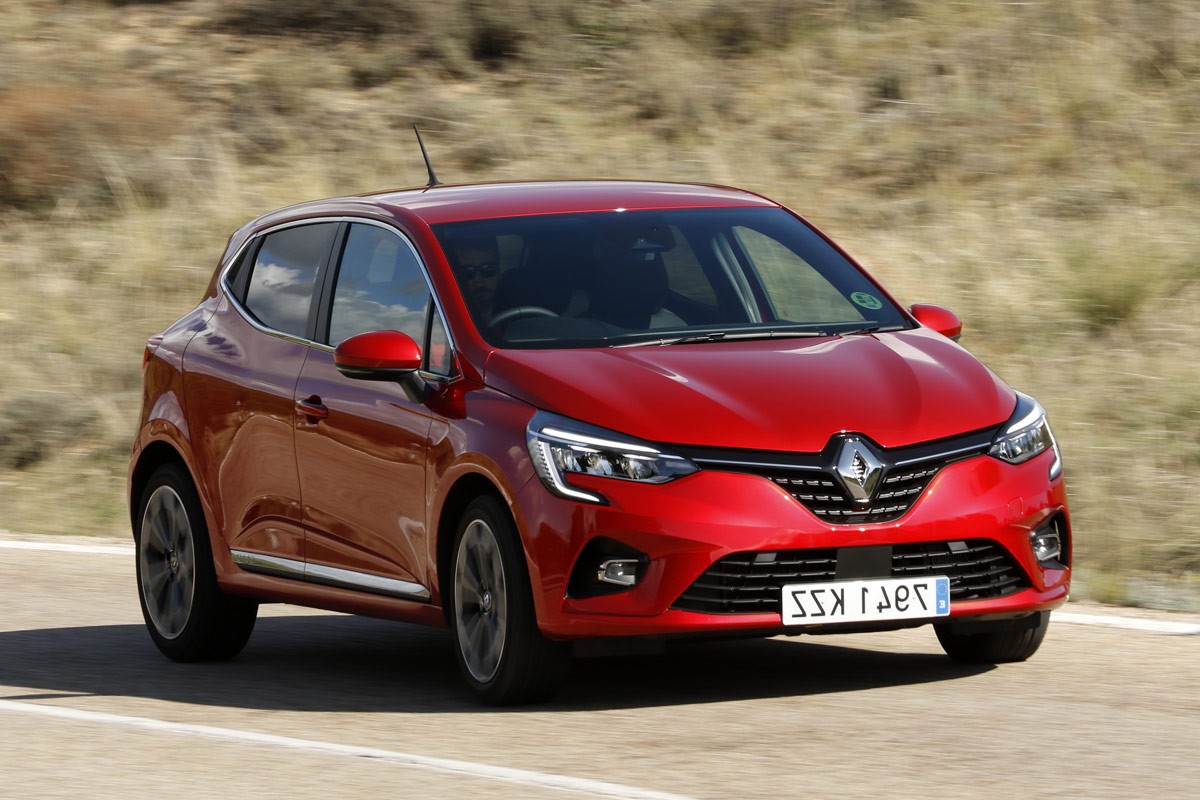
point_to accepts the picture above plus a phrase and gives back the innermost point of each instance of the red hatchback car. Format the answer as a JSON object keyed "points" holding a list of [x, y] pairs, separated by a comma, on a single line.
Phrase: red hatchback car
{"points": [[542, 413]]}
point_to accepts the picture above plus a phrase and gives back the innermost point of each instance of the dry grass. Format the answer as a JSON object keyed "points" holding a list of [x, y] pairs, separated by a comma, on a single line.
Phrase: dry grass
{"points": [[1034, 166]]}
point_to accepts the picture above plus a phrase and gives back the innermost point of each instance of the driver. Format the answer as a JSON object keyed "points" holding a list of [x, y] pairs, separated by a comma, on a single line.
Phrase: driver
{"points": [[478, 273]]}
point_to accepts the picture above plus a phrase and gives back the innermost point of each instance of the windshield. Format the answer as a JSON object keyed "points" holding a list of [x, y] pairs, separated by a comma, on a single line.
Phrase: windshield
{"points": [[628, 278]]}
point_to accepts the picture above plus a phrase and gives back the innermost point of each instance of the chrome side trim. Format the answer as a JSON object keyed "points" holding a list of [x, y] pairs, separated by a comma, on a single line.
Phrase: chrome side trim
{"points": [[975, 449], [271, 565], [258, 326], [329, 576], [361, 581], [724, 462], [980, 449]]}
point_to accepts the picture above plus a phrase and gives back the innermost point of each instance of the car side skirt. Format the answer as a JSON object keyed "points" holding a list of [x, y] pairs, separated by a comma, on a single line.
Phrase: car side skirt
{"points": [[328, 576]]}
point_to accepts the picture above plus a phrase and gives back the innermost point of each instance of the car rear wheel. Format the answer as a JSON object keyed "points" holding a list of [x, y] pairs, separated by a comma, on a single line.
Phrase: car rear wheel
{"points": [[995, 643], [500, 650], [187, 614]]}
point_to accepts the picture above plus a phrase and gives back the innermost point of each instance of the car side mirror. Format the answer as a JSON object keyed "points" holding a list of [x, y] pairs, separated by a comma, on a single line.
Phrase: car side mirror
{"points": [[940, 319], [383, 356]]}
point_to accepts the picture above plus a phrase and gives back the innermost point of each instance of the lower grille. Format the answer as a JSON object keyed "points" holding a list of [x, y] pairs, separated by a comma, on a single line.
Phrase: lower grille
{"points": [[750, 583]]}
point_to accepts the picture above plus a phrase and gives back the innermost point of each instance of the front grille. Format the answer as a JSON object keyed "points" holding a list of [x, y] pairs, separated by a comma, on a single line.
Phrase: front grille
{"points": [[821, 494], [751, 583], [810, 479]]}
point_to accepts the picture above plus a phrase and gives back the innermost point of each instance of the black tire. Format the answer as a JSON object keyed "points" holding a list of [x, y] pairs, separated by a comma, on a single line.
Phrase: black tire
{"points": [[188, 616], [995, 643], [500, 651]]}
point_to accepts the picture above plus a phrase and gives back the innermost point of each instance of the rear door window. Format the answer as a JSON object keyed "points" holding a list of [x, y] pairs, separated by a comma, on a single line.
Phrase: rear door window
{"points": [[280, 290]]}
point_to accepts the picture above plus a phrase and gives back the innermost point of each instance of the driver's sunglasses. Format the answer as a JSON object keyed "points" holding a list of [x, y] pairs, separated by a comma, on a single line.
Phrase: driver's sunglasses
{"points": [[488, 269]]}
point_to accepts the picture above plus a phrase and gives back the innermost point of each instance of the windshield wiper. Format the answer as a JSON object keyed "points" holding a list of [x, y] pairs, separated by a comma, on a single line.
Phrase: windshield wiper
{"points": [[721, 336], [761, 333], [870, 329]]}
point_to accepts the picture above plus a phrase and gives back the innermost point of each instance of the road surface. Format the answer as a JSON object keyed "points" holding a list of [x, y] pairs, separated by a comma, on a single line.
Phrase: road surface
{"points": [[323, 705]]}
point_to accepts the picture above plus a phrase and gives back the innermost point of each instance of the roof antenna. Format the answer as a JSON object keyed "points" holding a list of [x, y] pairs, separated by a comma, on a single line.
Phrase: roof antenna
{"points": [[433, 181]]}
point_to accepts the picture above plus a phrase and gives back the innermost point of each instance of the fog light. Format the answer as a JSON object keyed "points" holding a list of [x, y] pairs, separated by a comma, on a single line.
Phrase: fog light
{"points": [[1047, 546], [618, 571], [606, 566]]}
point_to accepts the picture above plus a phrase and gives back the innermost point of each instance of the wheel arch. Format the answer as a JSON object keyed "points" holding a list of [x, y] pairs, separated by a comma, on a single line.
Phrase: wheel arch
{"points": [[465, 489], [153, 455]]}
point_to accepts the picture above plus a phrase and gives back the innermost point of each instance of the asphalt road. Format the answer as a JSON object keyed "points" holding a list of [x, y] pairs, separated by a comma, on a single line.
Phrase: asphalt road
{"points": [[323, 705]]}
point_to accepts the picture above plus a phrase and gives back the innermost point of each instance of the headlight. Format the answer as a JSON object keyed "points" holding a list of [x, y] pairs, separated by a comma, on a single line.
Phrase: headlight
{"points": [[1026, 435], [560, 446]]}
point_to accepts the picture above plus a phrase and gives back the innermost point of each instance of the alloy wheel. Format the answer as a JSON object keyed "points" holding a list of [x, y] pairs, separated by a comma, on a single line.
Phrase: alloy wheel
{"points": [[480, 600], [167, 562]]}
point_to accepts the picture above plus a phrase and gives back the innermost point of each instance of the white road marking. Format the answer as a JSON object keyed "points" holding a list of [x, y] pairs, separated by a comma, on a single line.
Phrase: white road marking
{"points": [[445, 765], [1069, 617], [62, 547], [1128, 623]]}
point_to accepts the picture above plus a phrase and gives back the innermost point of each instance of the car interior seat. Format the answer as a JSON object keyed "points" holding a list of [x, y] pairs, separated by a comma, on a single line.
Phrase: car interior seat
{"points": [[631, 292]]}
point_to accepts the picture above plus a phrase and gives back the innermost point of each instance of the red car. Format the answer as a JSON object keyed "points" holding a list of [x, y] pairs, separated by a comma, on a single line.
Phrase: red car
{"points": [[550, 413]]}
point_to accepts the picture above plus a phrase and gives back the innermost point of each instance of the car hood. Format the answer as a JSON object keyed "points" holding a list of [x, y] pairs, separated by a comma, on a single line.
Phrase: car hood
{"points": [[778, 394]]}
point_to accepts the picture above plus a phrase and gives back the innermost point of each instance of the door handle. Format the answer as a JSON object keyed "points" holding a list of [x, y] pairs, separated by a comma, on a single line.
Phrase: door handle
{"points": [[313, 409]]}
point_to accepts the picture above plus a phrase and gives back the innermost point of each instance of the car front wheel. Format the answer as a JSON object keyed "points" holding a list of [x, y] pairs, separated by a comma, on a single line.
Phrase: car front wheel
{"points": [[500, 650], [187, 614], [994, 643]]}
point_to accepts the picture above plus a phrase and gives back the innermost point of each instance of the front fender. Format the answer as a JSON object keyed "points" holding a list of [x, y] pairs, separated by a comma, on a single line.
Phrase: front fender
{"points": [[479, 446]]}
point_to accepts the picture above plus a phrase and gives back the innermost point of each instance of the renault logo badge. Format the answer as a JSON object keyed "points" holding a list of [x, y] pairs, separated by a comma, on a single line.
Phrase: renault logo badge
{"points": [[859, 469]]}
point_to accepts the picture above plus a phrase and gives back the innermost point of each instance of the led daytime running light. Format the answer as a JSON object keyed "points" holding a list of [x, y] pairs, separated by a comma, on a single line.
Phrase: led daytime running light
{"points": [[543, 464], [571, 437], [560, 447], [1028, 436]]}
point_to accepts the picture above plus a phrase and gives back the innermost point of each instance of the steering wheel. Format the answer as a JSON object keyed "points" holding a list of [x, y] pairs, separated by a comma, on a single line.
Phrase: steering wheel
{"points": [[521, 311]]}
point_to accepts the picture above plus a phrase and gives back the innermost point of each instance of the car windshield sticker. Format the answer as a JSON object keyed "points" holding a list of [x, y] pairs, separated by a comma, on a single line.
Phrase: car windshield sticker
{"points": [[866, 300]]}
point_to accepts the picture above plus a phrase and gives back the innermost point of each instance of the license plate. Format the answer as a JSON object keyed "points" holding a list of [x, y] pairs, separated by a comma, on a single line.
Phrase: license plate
{"points": [[866, 601]]}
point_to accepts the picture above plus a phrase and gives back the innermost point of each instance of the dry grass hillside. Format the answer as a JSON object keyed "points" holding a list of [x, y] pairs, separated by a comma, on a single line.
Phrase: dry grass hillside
{"points": [[1035, 166]]}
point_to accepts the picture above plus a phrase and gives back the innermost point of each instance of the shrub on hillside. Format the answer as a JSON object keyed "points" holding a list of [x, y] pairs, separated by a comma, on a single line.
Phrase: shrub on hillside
{"points": [[335, 19], [38, 426], [455, 33], [68, 143]]}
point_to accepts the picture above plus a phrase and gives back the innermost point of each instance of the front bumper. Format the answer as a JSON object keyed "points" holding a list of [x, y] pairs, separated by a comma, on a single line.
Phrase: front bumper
{"points": [[685, 526]]}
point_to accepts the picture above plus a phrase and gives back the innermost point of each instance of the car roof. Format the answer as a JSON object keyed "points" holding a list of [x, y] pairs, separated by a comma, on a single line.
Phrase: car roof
{"points": [[457, 203], [495, 200], [462, 202]]}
